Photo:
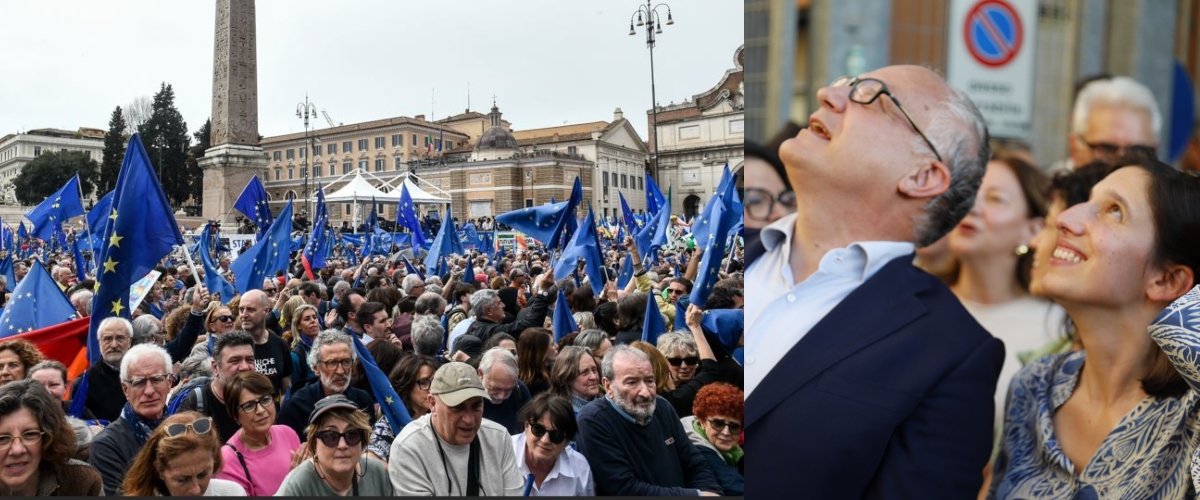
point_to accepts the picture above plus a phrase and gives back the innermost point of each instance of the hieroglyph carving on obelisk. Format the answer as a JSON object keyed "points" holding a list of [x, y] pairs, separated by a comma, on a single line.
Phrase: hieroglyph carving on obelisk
{"points": [[235, 75]]}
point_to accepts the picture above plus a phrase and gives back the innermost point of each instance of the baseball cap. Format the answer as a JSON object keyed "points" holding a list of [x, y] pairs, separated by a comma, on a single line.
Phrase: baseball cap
{"points": [[456, 382], [330, 403]]}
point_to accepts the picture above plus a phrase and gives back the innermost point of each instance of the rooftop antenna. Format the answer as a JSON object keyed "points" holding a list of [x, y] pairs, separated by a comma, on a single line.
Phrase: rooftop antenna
{"points": [[468, 97]]}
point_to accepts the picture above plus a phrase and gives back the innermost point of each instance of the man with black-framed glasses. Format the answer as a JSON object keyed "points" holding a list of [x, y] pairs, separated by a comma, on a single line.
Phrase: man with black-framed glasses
{"points": [[1112, 117], [865, 377], [145, 380], [333, 359]]}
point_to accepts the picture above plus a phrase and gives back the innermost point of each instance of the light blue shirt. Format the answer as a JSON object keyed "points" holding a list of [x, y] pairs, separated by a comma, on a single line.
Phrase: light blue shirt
{"points": [[458, 331], [780, 311]]}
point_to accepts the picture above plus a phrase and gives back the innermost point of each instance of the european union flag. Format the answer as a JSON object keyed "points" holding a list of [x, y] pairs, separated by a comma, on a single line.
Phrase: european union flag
{"points": [[212, 276], [471, 234], [36, 303], [627, 216], [140, 231], [653, 325], [469, 274], [546, 223], [368, 246], [80, 264], [626, 273], [253, 203], [411, 269], [56, 209], [702, 229], [563, 321], [97, 221], [389, 402], [654, 234], [267, 256], [720, 219], [7, 247], [726, 324], [444, 244], [318, 241], [408, 218], [585, 244], [22, 240], [655, 200]]}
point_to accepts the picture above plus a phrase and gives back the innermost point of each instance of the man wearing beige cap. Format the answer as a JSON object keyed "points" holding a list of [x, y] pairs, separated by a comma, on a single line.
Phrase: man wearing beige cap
{"points": [[454, 451]]}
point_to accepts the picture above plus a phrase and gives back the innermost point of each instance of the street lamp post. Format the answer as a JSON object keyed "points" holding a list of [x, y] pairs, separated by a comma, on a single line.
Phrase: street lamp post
{"points": [[306, 110], [652, 21]]}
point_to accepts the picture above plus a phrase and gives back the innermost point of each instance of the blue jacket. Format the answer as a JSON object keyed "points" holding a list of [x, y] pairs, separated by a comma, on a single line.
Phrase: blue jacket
{"points": [[888, 396]]}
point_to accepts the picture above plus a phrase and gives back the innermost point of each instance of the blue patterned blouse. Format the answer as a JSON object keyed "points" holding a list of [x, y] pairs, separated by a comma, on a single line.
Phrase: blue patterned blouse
{"points": [[1152, 453]]}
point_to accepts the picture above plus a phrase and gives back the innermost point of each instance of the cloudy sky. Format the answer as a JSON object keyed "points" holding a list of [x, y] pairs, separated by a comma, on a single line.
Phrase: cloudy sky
{"points": [[68, 63]]}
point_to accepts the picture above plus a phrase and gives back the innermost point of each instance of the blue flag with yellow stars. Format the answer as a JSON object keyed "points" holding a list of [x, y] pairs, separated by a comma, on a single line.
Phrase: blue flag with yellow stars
{"points": [[722, 216], [212, 275], [546, 223], [36, 303], [141, 230], [389, 402], [318, 241], [408, 218], [97, 221], [368, 246], [653, 326], [563, 321], [81, 267], [253, 203], [584, 244], [56, 209], [702, 228], [8, 246], [653, 235], [444, 244], [655, 200], [411, 269], [267, 256]]}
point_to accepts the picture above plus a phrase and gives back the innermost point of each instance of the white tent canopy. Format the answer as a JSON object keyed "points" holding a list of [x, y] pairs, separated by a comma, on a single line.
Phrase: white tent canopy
{"points": [[418, 195], [358, 189]]}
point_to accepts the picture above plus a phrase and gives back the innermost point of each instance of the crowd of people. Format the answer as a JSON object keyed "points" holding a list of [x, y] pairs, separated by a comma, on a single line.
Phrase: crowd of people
{"points": [[264, 393], [935, 316]]}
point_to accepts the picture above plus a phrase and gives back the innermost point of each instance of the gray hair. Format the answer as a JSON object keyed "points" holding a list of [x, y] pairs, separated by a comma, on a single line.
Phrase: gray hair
{"points": [[116, 319], [606, 366], [340, 289], [591, 339], [196, 364], [83, 433], [330, 337], [144, 327], [501, 355], [409, 282], [82, 297], [434, 289], [136, 353], [1118, 91], [676, 341], [585, 320], [480, 301], [429, 303], [960, 128], [427, 335]]}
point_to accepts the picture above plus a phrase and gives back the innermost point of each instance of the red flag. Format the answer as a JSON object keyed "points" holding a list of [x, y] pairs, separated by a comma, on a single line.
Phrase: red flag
{"points": [[60, 342]]}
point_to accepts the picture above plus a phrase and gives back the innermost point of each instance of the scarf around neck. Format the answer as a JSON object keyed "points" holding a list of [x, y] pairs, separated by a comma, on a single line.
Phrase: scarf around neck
{"points": [[731, 457], [140, 426]]}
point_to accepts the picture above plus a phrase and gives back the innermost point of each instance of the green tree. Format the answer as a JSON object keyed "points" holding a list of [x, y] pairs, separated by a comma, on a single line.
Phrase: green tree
{"points": [[195, 173], [114, 152], [45, 174], [165, 136]]}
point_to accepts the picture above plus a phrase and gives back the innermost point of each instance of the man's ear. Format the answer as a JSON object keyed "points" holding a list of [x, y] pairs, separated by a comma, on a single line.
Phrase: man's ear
{"points": [[926, 180], [1170, 283]]}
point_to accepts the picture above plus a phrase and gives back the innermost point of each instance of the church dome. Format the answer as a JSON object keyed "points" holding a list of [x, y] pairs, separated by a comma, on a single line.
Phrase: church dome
{"points": [[496, 137]]}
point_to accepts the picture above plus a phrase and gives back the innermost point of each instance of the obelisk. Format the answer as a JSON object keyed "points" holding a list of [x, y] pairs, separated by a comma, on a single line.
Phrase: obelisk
{"points": [[235, 155]]}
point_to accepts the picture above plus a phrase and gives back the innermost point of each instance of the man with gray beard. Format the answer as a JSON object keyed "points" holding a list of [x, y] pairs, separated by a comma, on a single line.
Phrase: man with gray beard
{"points": [[333, 359], [105, 397], [633, 439]]}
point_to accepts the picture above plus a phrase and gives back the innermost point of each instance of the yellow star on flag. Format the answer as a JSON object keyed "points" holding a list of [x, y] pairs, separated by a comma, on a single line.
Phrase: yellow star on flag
{"points": [[117, 307], [110, 265], [115, 241]]}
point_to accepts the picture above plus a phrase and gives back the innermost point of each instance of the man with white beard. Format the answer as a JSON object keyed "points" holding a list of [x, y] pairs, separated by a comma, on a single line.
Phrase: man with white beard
{"points": [[333, 359], [633, 439]]}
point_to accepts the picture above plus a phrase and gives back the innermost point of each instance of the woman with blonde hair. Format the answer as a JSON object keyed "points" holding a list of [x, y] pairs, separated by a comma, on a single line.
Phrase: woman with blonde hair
{"points": [[179, 459]]}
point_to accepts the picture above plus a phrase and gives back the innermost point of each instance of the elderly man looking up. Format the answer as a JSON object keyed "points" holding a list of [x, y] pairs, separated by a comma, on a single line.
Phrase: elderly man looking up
{"points": [[145, 381], [506, 393], [858, 365]]}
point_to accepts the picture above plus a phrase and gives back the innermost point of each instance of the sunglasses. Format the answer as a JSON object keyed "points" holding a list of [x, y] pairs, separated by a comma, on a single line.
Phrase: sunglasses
{"points": [[690, 360], [330, 437], [539, 430], [200, 426], [719, 425], [250, 406], [676, 291], [224, 319]]}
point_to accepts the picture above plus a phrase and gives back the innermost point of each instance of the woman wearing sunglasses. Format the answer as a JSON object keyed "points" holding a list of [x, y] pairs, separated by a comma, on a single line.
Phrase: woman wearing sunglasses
{"points": [[255, 453], [179, 460], [690, 360], [715, 429], [36, 446], [542, 450], [337, 435], [219, 320]]}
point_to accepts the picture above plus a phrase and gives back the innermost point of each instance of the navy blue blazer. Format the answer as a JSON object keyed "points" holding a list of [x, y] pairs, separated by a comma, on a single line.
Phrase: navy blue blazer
{"points": [[888, 396]]}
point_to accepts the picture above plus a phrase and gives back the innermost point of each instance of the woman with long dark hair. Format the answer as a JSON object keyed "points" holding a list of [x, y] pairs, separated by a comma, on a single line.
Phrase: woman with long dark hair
{"points": [[536, 352]]}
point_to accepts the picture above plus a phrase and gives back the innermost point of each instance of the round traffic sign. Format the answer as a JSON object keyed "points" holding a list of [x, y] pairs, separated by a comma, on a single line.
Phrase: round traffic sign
{"points": [[993, 32]]}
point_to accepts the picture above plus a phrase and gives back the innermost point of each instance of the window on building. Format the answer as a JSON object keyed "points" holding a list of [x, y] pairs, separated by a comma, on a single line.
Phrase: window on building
{"points": [[332, 148], [278, 173], [317, 170], [291, 153], [347, 147], [316, 150], [528, 202], [399, 163], [37, 150], [414, 142], [362, 164], [624, 184], [303, 171], [362, 144], [303, 152], [397, 140], [378, 143], [276, 156], [640, 185], [346, 167], [379, 164], [605, 179], [614, 179], [571, 150], [291, 173]]}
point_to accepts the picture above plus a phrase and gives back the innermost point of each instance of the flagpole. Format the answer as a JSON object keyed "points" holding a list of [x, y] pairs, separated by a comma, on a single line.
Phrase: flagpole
{"points": [[191, 265]]}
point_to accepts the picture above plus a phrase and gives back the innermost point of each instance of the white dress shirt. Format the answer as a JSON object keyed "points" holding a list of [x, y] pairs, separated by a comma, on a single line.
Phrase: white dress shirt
{"points": [[780, 312], [570, 477]]}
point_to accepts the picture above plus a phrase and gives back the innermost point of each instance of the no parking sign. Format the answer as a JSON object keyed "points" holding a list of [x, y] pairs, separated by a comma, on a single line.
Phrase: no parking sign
{"points": [[991, 57]]}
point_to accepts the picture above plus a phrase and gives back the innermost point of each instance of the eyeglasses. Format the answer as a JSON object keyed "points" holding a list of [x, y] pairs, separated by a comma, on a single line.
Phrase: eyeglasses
{"points": [[331, 437], [200, 426], [28, 438], [865, 90], [720, 425], [690, 360], [250, 406], [1109, 151], [760, 203], [155, 380], [424, 384], [539, 430], [333, 364], [269, 291], [224, 319], [676, 291]]}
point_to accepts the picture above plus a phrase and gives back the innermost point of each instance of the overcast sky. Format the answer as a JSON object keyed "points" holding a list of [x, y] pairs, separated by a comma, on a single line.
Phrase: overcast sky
{"points": [[68, 63]]}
